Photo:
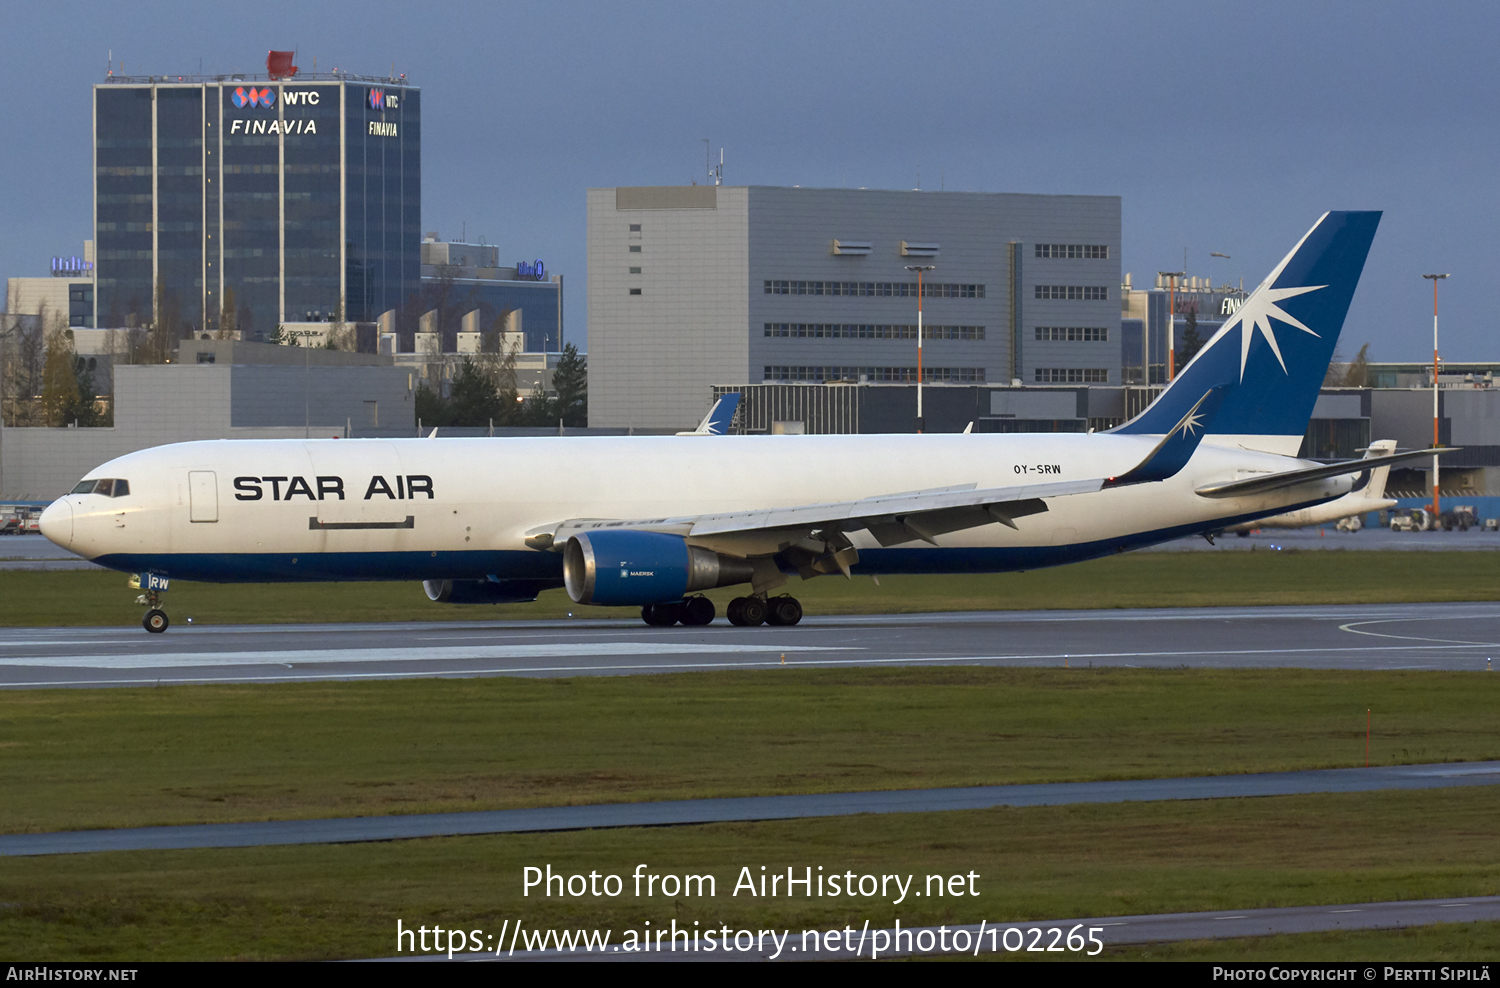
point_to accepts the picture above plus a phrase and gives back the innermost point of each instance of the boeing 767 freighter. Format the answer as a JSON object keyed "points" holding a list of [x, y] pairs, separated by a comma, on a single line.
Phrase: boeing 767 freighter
{"points": [[654, 521]]}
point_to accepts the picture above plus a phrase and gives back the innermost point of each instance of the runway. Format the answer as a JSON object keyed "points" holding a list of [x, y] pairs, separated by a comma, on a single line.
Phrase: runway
{"points": [[1406, 636], [747, 808]]}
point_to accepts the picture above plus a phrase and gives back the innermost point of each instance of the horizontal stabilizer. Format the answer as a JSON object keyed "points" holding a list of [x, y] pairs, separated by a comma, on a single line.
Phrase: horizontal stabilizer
{"points": [[1178, 445], [1291, 478]]}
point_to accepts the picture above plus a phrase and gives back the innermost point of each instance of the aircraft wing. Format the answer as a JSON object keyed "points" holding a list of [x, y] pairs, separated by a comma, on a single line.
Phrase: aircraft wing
{"points": [[905, 517], [1290, 478], [891, 518]]}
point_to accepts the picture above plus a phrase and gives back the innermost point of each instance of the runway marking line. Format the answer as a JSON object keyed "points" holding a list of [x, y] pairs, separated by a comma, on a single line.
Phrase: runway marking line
{"points": [[1353, 626]]}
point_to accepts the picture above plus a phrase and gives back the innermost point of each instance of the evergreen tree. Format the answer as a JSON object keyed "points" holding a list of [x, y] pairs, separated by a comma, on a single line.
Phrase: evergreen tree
{"points": [[571, 382], [431, 408], [475, 398], [1191, 342]]}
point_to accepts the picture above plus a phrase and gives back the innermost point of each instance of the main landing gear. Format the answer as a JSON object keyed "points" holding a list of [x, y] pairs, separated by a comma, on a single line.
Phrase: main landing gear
{"points": [[781, 612], [743, 612]]}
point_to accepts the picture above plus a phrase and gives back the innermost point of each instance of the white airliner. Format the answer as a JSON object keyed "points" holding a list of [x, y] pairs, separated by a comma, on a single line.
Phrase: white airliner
{"points": [[1361, 501], [652, 521]]}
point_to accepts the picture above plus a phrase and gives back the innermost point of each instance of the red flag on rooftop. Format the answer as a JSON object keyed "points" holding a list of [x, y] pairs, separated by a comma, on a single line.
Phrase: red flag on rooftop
{"points": [[279, 64]]}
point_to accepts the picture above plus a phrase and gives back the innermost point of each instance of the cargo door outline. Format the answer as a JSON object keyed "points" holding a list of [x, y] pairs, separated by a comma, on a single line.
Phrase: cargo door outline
{"points": [[353, 513], [203, 496]]}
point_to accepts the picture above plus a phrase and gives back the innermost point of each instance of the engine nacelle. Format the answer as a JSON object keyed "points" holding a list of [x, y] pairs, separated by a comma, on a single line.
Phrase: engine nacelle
{"points": [[485, 591], [626, 567]]}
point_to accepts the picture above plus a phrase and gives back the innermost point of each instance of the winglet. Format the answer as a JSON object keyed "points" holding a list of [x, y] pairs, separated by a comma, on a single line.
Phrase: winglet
{"points": [[1178, 445]]}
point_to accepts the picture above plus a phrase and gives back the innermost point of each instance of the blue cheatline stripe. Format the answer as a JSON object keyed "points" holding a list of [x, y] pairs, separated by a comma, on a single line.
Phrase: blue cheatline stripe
{"points": [[747, 808]]}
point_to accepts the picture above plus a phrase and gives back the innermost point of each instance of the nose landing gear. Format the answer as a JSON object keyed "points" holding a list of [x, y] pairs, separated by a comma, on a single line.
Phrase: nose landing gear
{"points": [[156, 620]]}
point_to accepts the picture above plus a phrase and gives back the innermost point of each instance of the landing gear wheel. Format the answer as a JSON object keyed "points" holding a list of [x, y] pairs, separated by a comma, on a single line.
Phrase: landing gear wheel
{"points": [[783, 611], [747, 612], [155, 621], [696, 612], [660, 615]]}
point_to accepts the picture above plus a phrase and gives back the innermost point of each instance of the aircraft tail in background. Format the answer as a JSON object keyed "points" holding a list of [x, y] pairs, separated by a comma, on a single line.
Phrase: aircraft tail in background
{"points": [[716, 422]]}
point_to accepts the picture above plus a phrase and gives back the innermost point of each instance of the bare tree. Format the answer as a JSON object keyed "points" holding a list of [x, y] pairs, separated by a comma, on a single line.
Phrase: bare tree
{"points": [[342, 335], [228, 315]]}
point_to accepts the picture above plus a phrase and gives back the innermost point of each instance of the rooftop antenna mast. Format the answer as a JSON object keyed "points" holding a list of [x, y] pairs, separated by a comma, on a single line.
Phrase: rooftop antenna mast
{"points": [[715, 175]]}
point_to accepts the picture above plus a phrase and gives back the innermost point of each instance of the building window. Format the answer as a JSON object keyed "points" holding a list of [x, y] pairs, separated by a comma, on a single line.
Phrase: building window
{"points": [[635, 228], [1088, 252], [882, 375], [1073, 334], [1072, 375], [635, 270], [874, 289], [869, 331], [635, 248], [635, 291], [1085, 293]]}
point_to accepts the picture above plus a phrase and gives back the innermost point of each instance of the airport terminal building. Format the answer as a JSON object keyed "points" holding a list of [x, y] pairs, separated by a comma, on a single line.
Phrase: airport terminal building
{"points": [[690, 287], [291, 194]]}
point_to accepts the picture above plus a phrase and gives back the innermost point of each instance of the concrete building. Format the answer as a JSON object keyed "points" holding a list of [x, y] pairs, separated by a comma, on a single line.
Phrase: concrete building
{"points": [[300, 196], [68, 293], [695, 286], [1143, 321], [241, 391], [470, 280]]}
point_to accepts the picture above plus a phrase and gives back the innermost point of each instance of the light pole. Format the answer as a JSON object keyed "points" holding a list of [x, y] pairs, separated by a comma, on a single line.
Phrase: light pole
{"points": [[1436, 512], [1172, 322], [919, 268]]}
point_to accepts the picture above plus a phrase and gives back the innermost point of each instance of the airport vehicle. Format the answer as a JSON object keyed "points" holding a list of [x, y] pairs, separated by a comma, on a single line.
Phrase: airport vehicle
{"points": [[1411, 520], [653, 521], [1349, 508], [1461, 516]]}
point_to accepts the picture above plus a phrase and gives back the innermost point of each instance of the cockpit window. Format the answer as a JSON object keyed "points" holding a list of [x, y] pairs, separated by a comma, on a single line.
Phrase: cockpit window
{"points": [[109, 487]]}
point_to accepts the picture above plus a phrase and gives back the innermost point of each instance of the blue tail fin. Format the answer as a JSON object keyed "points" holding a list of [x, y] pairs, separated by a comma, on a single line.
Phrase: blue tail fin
{"points": [[1273, 353], [722, 414]]}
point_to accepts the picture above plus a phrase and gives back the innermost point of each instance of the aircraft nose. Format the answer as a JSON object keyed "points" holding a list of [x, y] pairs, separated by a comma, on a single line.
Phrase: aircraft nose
{"points": [[57, 523]]}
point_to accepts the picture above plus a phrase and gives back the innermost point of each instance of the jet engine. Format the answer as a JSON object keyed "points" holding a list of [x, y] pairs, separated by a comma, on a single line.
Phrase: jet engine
{"points": [[627, 567], [485, 591]]}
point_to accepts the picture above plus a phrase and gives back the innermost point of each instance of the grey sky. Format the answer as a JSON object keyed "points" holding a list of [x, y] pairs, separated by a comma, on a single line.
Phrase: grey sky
{"points": [[1224, 127]]}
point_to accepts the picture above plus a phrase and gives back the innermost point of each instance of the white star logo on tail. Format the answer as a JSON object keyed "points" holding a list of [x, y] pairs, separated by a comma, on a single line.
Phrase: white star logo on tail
{"points": [[1192, 420], [1257, 312], [1261, 307]]}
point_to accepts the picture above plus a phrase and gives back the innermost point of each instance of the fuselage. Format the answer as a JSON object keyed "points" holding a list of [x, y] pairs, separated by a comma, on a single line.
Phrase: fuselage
{"points": [[432, 509]]}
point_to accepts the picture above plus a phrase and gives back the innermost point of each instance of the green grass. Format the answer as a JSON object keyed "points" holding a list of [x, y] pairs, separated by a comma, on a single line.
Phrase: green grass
{"points": [[1035, 863], [1182, 579], [186, 754]]}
